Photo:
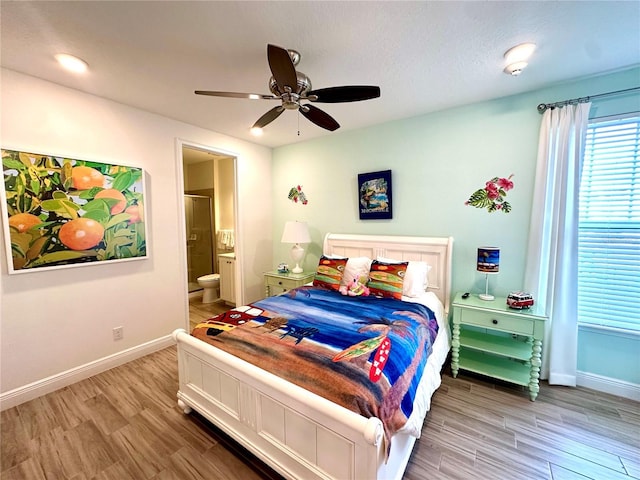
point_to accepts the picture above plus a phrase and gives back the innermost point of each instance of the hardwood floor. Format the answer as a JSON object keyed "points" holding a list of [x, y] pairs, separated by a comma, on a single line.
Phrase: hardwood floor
{"points": [[479, 429], [125, 424], [199, 312]]}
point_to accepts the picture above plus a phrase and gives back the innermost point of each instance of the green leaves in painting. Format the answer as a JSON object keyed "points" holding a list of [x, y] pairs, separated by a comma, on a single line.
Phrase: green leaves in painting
{"points": [[43, 194]]}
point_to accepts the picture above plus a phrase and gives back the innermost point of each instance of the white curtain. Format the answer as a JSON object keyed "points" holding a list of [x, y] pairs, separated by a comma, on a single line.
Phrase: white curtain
{"points": [[551, 272]]}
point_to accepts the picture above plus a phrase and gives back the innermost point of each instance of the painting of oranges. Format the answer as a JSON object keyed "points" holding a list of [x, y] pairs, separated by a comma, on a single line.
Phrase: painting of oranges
{"points": [[61, 212]]}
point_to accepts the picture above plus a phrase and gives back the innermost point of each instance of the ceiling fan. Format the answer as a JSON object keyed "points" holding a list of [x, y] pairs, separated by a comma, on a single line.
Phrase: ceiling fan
{"points": [[292, 87]]}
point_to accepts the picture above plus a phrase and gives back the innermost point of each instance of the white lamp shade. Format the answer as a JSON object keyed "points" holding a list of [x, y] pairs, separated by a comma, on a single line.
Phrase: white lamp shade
{"points": [[296, 232]]}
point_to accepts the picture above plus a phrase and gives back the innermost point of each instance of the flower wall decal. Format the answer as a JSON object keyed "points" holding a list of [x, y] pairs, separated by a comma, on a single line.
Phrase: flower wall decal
{"points": [[296, 194], [492, 196]]}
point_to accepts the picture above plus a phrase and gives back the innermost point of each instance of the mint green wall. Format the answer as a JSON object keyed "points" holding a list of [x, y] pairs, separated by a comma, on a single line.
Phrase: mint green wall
{"points": [[437, 161]]}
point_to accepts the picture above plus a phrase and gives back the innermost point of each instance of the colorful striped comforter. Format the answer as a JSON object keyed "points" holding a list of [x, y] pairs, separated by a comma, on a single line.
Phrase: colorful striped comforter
{"points": [[365, 353]]}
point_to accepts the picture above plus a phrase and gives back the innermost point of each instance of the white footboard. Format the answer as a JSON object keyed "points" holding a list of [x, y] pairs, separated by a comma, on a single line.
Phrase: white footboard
{"points": [[297, 433]]}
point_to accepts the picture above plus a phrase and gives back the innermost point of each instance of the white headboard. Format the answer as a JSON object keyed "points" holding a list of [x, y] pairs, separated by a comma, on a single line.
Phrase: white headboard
{"points": [[436, 251]]}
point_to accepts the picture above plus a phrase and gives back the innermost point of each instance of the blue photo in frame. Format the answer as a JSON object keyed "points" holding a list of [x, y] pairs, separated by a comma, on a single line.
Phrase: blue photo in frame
{"points": [[374, 195]]}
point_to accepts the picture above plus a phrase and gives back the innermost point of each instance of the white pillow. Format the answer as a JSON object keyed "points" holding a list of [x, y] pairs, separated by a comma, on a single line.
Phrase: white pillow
{"points": [[416, 278], [356, 267]]}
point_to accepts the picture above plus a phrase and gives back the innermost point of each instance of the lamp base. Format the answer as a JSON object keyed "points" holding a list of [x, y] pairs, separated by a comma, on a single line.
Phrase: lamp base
{"points": [[485, 296], [297, 252]]}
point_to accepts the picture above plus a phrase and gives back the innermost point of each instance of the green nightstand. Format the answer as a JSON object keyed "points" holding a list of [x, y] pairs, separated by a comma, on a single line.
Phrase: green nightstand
{"points": [[276, 283], [492, 339]]}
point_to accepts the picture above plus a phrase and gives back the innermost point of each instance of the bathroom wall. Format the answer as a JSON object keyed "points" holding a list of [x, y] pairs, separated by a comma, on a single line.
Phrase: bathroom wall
{"points": [[225, 180]]}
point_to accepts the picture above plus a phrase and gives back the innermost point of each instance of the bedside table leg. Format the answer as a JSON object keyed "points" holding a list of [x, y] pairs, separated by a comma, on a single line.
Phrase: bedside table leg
{"points": [[455, 349], [536, 362]]}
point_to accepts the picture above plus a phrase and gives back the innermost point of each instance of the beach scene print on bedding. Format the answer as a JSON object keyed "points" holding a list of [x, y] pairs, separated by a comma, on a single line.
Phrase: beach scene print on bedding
{"points": [[367, 354]]}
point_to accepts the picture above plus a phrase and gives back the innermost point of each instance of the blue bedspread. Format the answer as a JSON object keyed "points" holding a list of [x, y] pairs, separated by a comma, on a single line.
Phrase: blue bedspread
{"points": [[365, 353]]}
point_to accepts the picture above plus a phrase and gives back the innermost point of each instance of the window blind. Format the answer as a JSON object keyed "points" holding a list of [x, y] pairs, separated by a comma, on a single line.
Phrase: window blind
{"points": [[609, 225]]}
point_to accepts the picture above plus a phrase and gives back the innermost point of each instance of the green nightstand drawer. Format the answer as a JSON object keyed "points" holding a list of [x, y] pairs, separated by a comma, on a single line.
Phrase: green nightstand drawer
{"points": [[497, 321], [276, 283]]}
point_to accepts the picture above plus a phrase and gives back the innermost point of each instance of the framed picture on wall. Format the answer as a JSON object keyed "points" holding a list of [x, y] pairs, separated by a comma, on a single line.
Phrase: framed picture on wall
{"points": [[374, 195], [62, 212]]}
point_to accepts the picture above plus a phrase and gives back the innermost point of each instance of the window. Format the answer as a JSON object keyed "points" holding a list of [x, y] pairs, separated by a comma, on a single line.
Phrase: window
{"points": [[609, 225]]}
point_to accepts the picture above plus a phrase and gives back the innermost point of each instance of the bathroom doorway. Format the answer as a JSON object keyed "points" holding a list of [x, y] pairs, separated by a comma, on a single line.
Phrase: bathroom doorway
{"points": [[209, 181]]}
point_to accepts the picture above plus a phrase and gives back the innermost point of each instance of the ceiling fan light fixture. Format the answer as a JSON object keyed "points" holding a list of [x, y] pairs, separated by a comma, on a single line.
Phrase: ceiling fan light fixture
{"points": [[291, 87], [72, 63], [256, 131]]}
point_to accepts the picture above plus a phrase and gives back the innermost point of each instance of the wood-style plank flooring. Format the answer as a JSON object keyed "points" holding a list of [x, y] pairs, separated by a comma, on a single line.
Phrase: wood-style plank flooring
{"points": [[125, 424]]}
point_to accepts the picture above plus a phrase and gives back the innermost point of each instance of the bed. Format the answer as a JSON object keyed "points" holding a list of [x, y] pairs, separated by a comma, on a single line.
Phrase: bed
{"points": [[301, 434]]}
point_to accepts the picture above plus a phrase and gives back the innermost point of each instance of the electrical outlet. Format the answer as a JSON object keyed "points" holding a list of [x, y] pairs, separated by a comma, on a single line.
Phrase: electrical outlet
{"points": [[118, 333]]}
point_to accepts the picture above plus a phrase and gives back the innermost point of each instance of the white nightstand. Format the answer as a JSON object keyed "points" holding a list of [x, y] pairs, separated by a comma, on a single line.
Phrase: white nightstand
{"points": [[276, 283]]}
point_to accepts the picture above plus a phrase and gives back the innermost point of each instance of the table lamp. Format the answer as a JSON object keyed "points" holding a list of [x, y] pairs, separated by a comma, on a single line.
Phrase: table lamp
{"points": [[296, 232], [488, 263]]}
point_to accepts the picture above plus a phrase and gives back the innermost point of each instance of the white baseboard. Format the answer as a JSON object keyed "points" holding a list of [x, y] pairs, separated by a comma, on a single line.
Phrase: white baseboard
{"points": [[610, 385], [47, 385]]}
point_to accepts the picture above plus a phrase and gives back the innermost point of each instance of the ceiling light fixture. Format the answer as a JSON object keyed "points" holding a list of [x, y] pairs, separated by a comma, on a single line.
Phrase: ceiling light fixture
{"points": [[71, 63], [517, 57], [515, 69], [256, 131]]}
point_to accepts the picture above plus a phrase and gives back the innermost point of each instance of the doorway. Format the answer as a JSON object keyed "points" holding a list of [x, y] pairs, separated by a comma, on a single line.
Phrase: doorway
{"points": [[209, 186]]}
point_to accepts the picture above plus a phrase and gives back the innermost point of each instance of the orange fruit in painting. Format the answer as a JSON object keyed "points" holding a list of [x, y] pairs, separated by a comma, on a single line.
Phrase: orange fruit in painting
{"points": [[23, 221], [115, 194], [84, 178], [136, 213], [81, 234]]}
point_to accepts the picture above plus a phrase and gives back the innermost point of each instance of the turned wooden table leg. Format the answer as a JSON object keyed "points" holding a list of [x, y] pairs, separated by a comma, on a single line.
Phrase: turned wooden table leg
{"points": [[455, 349], [536, 362]]}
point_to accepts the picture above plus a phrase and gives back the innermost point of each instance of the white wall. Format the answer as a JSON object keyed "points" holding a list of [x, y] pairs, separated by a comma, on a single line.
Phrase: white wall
{"points": [[59, 323]]}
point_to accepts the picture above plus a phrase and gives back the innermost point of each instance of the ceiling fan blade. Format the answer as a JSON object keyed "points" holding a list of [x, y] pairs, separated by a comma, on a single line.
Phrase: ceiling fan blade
{"points": [[319, 117], [282, 68], [250, 96], [269, 117], [351, 93]]}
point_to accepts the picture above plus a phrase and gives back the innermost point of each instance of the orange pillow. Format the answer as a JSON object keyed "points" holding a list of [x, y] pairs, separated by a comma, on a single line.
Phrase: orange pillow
{"points": [[329, 272], [386, 279]]}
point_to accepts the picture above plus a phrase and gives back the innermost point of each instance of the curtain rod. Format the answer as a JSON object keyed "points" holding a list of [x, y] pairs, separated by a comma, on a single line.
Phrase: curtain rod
{"points": [[544, 106]]}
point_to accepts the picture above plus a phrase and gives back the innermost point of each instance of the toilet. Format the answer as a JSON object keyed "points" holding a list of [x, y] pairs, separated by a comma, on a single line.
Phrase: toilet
{"points": [[211, 285]]}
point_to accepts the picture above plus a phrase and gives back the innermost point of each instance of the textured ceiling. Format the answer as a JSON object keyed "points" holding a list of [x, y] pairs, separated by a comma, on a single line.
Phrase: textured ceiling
{"points": [[425, 56]]}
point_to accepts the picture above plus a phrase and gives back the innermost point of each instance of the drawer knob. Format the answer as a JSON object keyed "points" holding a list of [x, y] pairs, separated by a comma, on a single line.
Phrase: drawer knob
{"points": [[494, 321], [279, 283]]}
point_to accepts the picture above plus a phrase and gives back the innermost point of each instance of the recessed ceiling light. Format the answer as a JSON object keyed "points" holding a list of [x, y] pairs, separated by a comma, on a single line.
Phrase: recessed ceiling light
{"points": [[256, 131], [71, 63]]}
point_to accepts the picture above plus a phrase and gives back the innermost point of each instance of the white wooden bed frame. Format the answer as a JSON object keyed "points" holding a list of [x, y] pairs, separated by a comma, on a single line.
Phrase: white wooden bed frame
{"points": [[299, 434]]}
